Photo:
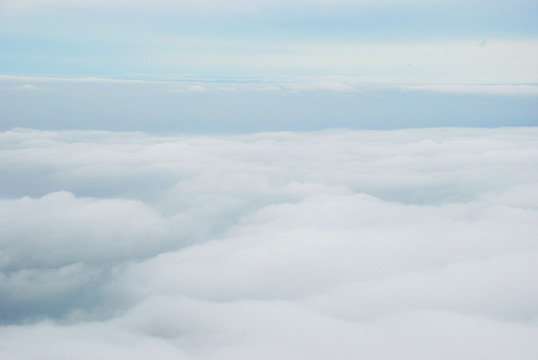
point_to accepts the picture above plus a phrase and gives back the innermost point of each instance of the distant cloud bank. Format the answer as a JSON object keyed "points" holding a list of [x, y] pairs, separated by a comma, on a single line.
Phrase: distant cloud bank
{"points": [[189, 104], [413, 244]]}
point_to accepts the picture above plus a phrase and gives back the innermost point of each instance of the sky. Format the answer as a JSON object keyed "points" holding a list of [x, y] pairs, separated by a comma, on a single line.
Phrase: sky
{"points": [[228, 180], [457, 42], [181, 59]]}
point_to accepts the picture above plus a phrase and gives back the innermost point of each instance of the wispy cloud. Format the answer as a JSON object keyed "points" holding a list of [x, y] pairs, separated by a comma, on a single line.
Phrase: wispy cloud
{"points": [[246, 7], [498, 90], [26, 87], [320, 86]]}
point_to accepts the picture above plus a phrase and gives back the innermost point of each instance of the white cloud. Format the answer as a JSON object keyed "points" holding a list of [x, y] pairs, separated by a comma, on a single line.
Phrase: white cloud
{"points": [[85, 341], [320, 86], [26, 87], [189, 88], [499, 90], [335, 84], [336, 244], [62, 229]]}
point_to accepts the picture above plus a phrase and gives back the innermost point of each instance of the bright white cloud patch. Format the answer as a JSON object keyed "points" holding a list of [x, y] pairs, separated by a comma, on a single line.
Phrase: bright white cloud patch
{"points": [[413, 244]]}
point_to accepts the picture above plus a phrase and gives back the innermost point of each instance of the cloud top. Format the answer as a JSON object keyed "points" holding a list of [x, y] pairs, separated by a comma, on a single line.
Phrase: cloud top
{"points": [[334, 244]]}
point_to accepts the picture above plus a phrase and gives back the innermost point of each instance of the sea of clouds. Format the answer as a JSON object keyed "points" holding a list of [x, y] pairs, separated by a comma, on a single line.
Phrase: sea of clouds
{"points": [[340, 244]]}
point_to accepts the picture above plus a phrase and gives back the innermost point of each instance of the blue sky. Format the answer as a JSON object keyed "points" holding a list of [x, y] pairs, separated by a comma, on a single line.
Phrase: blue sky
{"points": [[467, 49], [120, 38]]}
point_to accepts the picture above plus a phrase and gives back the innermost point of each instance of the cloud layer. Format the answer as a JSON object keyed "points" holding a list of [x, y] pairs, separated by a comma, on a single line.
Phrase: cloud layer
{"points": [[219, 105], [340, 244]]}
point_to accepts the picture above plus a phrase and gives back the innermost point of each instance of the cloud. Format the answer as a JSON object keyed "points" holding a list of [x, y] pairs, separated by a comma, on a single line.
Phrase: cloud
{"points": [[334, 244], [320, 86], [83, 341], [233, 5], [189, 88], [341, 84], [242, 6], [496, 90], [26, 87]]}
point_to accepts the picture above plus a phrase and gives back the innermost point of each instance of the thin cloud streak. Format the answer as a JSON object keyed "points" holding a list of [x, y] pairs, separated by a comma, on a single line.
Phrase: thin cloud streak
{"points": [[338, 84], [496, 90], [249, 7]]}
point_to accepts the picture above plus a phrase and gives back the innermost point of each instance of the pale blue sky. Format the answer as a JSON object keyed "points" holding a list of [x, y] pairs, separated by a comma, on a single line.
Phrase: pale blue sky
{"points": [[121, 38], [468, 50]]}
